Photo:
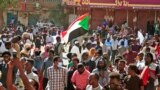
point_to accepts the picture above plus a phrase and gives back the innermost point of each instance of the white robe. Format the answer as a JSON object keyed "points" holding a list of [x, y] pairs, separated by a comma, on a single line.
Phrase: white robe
{"points": [[75, 49]]}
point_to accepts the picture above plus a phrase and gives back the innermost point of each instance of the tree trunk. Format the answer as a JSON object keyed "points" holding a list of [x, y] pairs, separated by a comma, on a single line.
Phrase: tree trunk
{"points": [[1, 20]]}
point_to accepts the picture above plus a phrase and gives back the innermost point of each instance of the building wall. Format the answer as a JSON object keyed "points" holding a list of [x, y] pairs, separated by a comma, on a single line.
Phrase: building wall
{"points": [[137, 18], [120, 16], [23, 18], [97, 17]]}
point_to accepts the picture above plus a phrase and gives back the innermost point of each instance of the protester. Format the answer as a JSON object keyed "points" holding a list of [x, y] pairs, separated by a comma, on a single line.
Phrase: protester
{"points": [[80, 77], [114, 82], [4, 68], [130, 55], [150, 78], [93, 82], [29, 70], [102, 71], [140, 62], [57, 75], [47, 63], [29, 84], [71, 56], [26, 51], [133, 81], [59, 48], [76, 49], [15, 44], [38, 62], [87, 62], [122, 70], [97, 56], [71, 70], [114, 47], [106, 51]]}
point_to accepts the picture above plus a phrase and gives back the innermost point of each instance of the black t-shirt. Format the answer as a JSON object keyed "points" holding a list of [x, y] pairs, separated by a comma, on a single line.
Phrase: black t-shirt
{"points": [[133, 83]]}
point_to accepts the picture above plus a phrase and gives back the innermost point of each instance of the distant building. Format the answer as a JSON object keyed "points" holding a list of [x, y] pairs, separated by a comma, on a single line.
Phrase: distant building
{"points": [[28, 12], [135, 12]]}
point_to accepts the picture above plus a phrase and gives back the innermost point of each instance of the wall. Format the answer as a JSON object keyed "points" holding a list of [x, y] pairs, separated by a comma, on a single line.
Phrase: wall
{"points": [[23, 18]]}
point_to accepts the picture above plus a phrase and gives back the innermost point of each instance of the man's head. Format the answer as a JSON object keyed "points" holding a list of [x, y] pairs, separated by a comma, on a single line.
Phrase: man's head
{"points": [[29, 64], [27, 47], [16, 39], [80, 68], [132, 69], [140, 55], [148, 58], [103, 40], [99, 52], [23, 60], [37, 51], [101, 64], [73, 55], [8, 45], [121, 65], [69, 55], [58, 39], [114, 37], [93, 78], [114, 80], [148, 50], [85, 56], [51, 53], [57, 61], [6, 56], [88, 45], [75, 61], [117, 61]]}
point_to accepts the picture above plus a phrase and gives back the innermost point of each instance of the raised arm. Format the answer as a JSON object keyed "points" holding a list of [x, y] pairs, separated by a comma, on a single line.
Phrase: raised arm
{"points": [[10, 85], [24, 78]]}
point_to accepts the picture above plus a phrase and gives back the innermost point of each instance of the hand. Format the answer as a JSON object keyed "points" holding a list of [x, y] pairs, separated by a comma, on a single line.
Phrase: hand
{"points": [[152, 75], [17, 63], [11, 64]]}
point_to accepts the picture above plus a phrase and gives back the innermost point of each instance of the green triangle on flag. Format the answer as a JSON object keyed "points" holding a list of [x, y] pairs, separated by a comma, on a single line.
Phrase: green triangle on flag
{"points": [[85, 23]]}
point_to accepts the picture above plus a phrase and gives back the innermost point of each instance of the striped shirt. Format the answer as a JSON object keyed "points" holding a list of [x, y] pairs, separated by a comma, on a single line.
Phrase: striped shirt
{"points": [[57, 80]]}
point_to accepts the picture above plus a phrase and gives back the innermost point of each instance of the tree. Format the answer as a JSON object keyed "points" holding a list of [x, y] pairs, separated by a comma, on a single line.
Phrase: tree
{"points": [[59, 17], [4, 4]]}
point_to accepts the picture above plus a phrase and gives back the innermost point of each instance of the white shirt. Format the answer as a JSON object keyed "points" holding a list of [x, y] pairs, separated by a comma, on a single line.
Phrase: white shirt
{"points": [[114, 44], [141, 64], [105, 48], [89, 87], [75, 49], [34, 76], [49, 39], [125, 42]]}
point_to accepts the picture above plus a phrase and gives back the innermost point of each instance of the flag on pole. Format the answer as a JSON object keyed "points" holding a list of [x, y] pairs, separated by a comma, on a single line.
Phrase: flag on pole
{"points": [[146, 73], [79, 27]]}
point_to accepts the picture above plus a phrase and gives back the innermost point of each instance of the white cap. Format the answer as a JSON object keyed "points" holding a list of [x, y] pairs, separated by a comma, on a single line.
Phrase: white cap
{"points": [[76, 42]]}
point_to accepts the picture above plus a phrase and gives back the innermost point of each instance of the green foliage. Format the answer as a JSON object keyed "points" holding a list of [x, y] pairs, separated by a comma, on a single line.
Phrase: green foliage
{"points": [[6, 3], [58, 16]]}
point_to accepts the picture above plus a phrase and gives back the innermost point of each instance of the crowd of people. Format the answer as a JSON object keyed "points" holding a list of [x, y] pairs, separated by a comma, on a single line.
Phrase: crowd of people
{"points": [[108, 59]]}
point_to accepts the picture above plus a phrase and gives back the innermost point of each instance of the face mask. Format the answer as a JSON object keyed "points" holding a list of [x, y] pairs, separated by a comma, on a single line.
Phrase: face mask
{"points": [[60, 64]]}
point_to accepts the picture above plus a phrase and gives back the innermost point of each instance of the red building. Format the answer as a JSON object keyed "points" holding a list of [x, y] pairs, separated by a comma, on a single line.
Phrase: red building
{"points": [[135, 12]]}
